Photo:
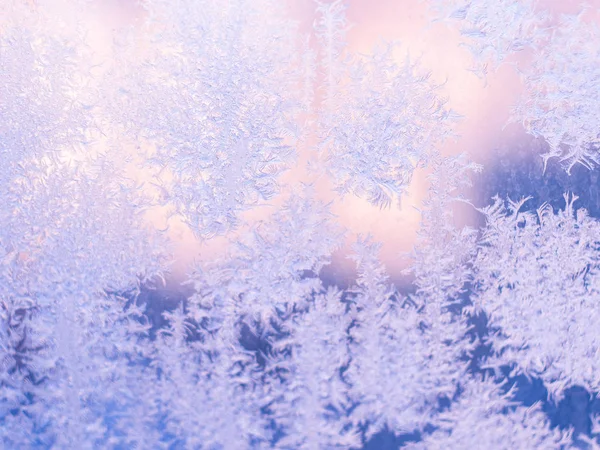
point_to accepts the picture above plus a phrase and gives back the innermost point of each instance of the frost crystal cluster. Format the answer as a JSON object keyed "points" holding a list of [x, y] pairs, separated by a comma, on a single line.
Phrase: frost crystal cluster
{"points": [[214, 97], [562, 100], [536, 272], [380, 119], [209, 110], [484, 417], [492, 31]]}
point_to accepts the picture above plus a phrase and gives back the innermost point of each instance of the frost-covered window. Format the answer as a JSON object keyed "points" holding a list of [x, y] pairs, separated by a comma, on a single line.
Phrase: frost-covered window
{"points": [[192, 199]]}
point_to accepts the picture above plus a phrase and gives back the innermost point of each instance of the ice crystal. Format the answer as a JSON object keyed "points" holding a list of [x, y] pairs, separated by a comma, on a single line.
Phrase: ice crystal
{"points": [[537, 272], [485, 417], [378, 116], [492, 31], [561, 100]]}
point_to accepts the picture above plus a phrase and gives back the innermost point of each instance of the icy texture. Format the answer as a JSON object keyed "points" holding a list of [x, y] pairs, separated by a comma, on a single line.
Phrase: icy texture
{"points": [[380, 119], [485, 417], [213, 98], [401, 363], [537, 280], [71, 235], [311, 400], [492, 31], [562, 103]]}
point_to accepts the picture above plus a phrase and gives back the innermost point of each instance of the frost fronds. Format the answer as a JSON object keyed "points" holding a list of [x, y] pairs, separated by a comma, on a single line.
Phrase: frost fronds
{"points": [[274, 268], [72, 236], [562, 97], [206, 385], [331, 27], [443, 253], [310, 399], [217, 99], [401, 363], [391, 122], [492, 31], [484, 416], [537, 280]]}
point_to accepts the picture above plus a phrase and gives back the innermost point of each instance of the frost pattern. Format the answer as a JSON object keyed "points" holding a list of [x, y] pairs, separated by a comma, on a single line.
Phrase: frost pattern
{"points": [[561, 100], [71, 237], [272, 270], [443, 254], [492, 31], [205, 390], [263, 354], [380, 119], [485, 417], [401, 363], [537, 272], [215, 98], [256, 293], [311, 401]]}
